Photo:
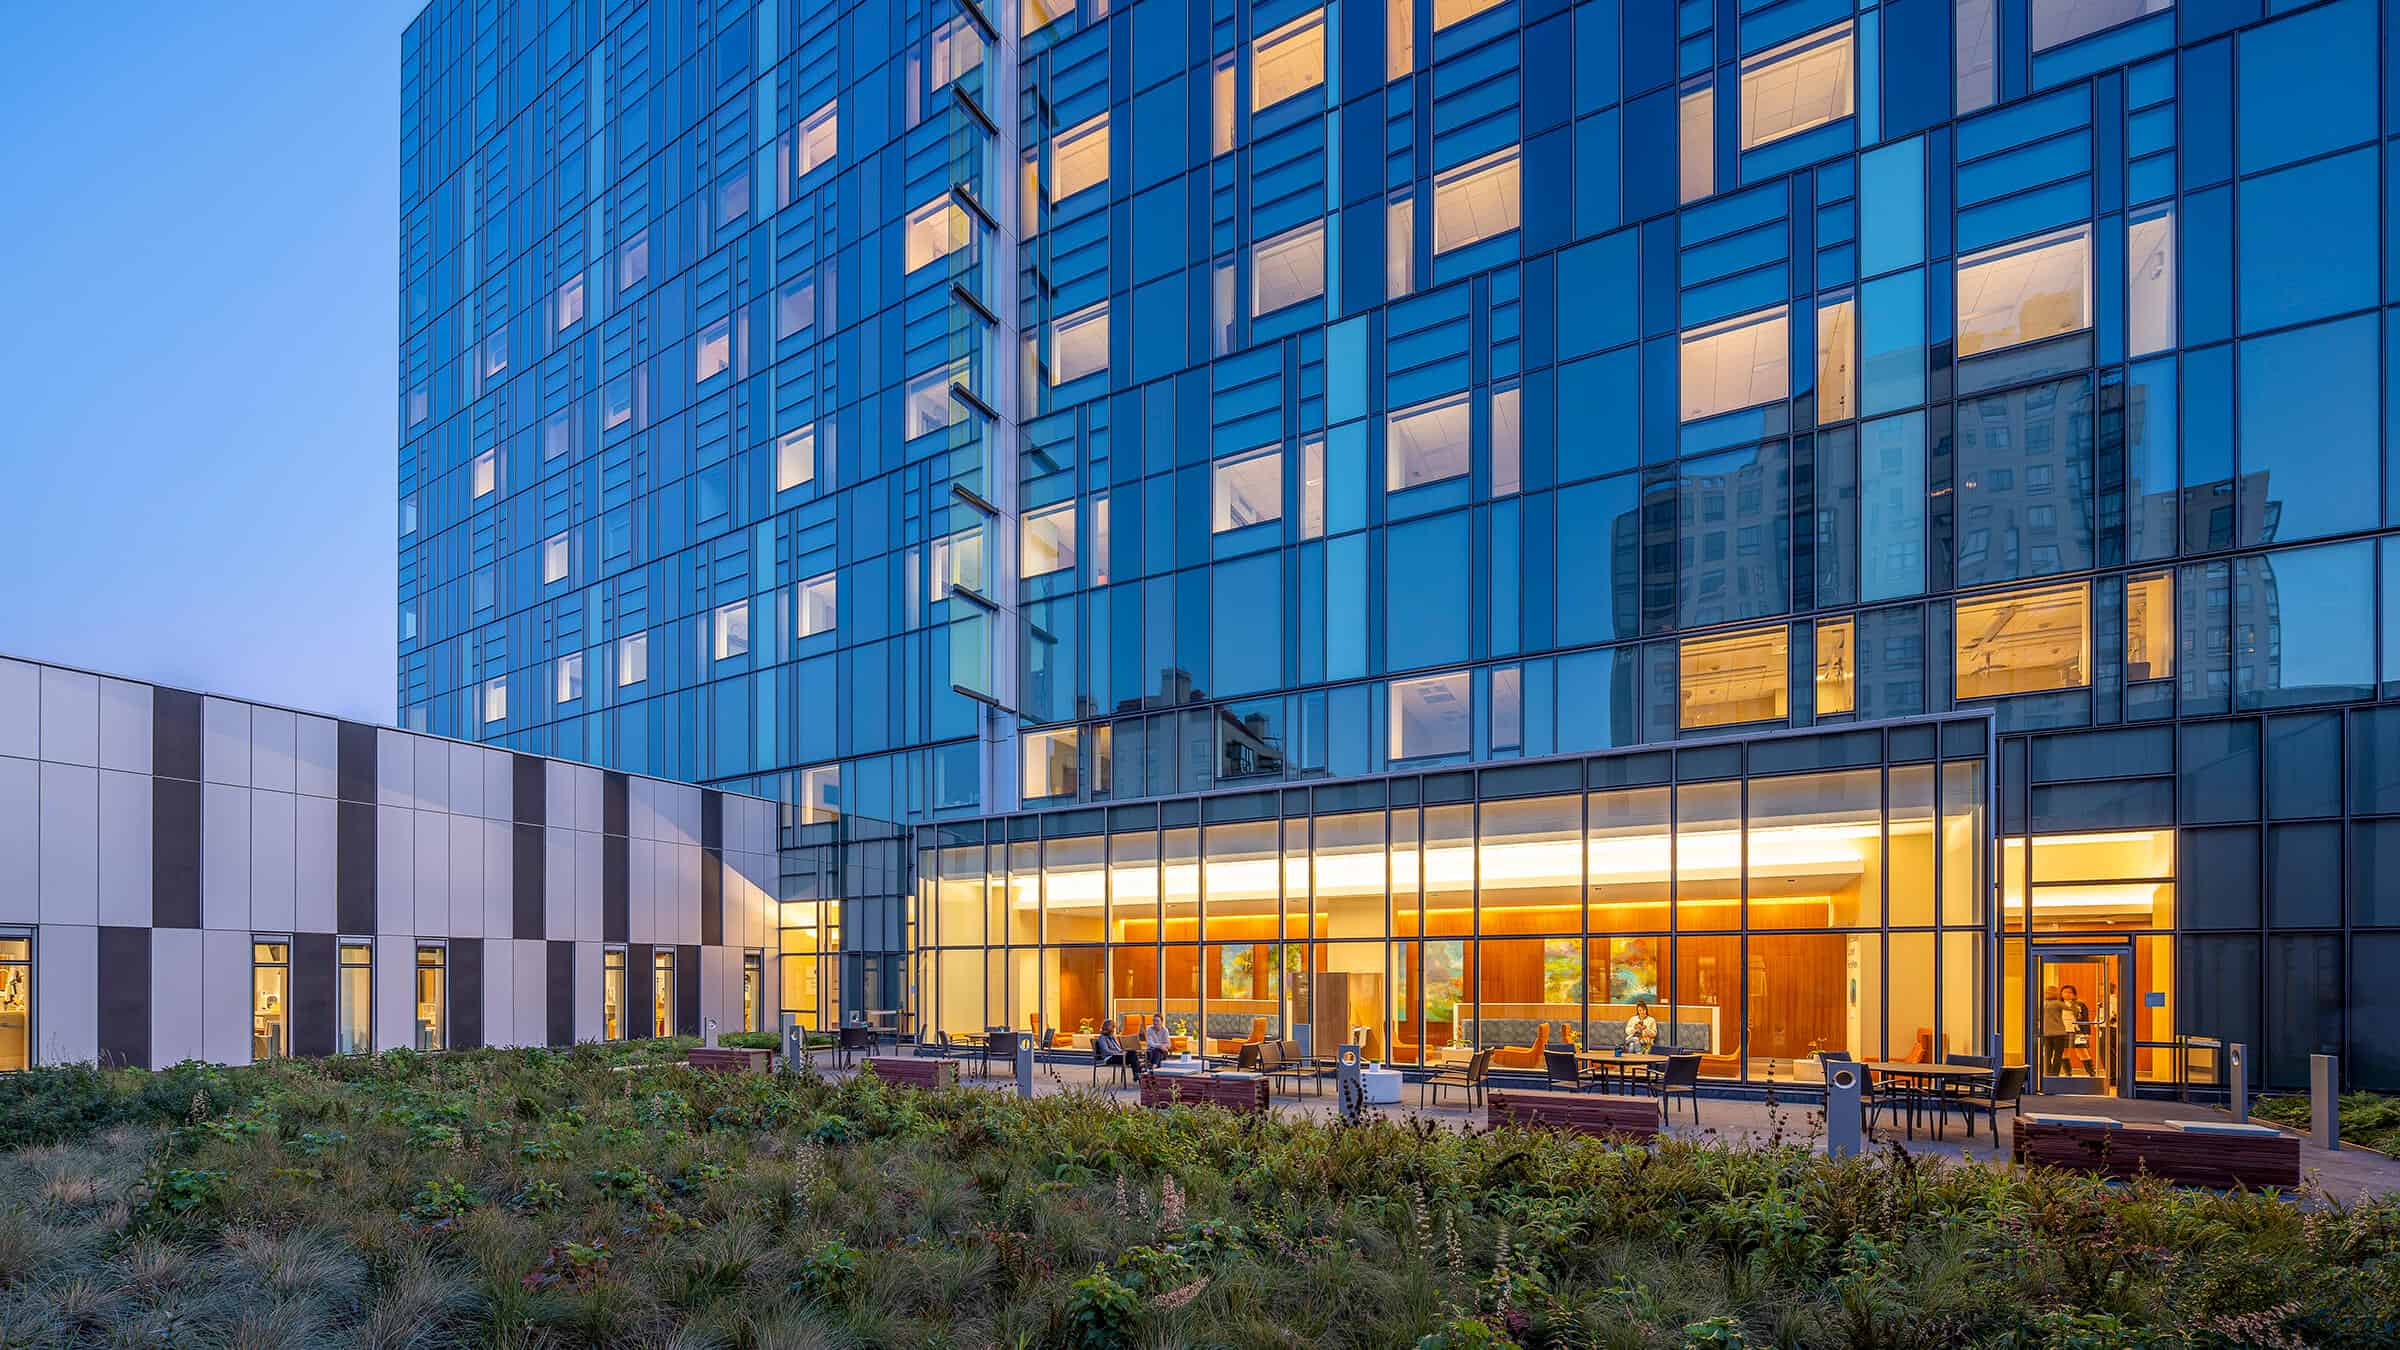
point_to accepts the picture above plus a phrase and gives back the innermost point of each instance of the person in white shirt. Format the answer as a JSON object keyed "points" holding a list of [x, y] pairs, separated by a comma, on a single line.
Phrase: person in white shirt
{"points": [[1154, 1042], [1641, 1029]]}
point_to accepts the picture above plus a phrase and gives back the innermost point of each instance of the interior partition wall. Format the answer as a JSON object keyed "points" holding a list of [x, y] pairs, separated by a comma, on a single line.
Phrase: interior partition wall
{"points": [[1767, 898]]}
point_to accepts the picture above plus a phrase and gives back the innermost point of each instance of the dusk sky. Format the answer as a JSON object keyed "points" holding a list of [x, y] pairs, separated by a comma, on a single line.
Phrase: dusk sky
{"points": [[196, 344]]}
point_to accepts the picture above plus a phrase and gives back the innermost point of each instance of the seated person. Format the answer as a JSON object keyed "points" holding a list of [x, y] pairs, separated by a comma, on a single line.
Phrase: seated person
{"points": [[1641, 1029], [1154, 1043], [1107, 1049]]}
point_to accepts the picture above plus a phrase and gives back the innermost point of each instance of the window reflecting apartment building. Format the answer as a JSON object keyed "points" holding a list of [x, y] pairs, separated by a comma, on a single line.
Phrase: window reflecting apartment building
{"points": [[1433, 520]]}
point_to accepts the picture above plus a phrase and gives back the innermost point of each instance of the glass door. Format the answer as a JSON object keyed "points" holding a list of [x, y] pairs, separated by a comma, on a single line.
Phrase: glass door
{"points": [[2079, 1021]]}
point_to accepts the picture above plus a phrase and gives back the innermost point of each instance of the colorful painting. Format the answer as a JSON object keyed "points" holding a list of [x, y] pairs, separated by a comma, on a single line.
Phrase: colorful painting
{"points": [[1632, 972]]}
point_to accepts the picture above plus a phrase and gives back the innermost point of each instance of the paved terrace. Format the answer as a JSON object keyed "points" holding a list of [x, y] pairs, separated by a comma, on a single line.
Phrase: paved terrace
{"points": [[2347, 1174]]}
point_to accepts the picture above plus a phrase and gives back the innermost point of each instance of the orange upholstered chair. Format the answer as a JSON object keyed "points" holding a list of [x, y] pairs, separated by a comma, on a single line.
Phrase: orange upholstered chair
{"points": [[1133, 1028], [1258, 1033], [1523, 1056]]}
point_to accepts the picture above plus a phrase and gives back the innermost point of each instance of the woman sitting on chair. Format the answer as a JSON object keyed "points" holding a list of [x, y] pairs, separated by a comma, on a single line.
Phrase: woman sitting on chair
{"points": [[1154, 1042], [1641, 1029], [1107, 1049]]}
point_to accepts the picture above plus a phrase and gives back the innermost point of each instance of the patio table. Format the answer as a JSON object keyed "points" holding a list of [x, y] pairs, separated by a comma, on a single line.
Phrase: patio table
{"points": [[1621, 1069], [1923, 1085]]}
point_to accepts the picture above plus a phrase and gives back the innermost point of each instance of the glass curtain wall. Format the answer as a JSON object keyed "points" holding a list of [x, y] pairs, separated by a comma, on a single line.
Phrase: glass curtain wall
{"points": [[1763, 918]]}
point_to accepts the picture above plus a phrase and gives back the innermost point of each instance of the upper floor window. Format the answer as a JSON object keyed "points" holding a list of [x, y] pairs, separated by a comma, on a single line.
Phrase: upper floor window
{"points": [[1736, 363], [731, 628], [408, 514], [1399, 38], [819, 134], [957, 563], [2150, 281], [554, 559], [1079, 158], [930, 407], [1288, 62], [569, 683], [1837, 358], [1046, 540], [486, 475], [1799, 86], [1837, 666], [1426, 444], [1034, 15], [2150, 626], [2026, 291], [2026, 641], [1051, 762], [796, 457], [1475, 201], [1507, 442], [570, 302], [495, 699], [2051, 23], [1429, 716], [633, 260], [815, 604], [633, 659], [1287, 269], [1079, 344], [1221, 106], [1696, 142], [558, 435], [952, 50], [934, 231], [1734, 678], [1248, 490], [715, 352]]}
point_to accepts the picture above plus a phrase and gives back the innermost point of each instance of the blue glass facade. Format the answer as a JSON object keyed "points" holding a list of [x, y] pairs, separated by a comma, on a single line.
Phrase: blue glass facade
{"points": [[920, 412]]}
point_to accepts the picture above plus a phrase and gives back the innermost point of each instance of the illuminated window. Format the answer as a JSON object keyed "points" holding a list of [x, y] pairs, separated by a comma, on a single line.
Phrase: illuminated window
{"points": [[612, 993], [1051, 762], [1736, 678], [934, 231], [1796, 87], [731, 626], [819, 133], [495, 353], [814, 605], [570, 302], [1248, 490], [1079, 158], [2024, 292], [2054, 22], [1288, 61], [1029, 197], [1475, 201], [1399, 38], [1099, 548], [633, 260], [1046, 541], [1426, 444], [1221, 107], [955, 48], [715, 351], [1079, 344], [554, 559], [1837, 359], [354, 1022], [796, 305], [16, 1001], [930, 407], [1837, 666], [270, 1000], [1696, 138], [633, 659], [1429, 716], [1038, 14], [754, 991], [662, 992], [957, 563], [1507, 443], [487, 473], [1448, 12], [1287, 269], [1736, 363], [568, 683], [1399, 246], [796, 457], [820, 793], [1312, 488], [2023, 642], [2150, 282], [2150, 626], [495, 699]]}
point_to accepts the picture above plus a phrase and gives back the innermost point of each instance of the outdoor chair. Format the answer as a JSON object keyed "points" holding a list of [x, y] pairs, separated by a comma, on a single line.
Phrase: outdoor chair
{"points": [[852, 1039], [1291, 1063], [1469, 1077], [1121, 1062], [1565, 1071], [1000, 1045], [2003, 1091], [1680, 1078]]}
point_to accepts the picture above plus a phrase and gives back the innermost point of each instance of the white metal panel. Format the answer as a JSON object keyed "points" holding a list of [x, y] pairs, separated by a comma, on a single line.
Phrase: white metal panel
{"points": [[395, 992], [274, 749], [124, 725], [558, 882], [225, 997], [499, 785], [69, 867], [499, 879], [70, 717], [682, 805], [432, 773], [588, 814], [466, 779], [433, 873], [316, 837], [587, 991], [224, 856], [274, 861], [125, 816], [20, 841], [317, 768], [499, 994], [20, 709], [587, 885], [531, 1024], [466, 876], [225, 741], [558, 795], [395, 870], [395, 768], [175, 1004], [641, 808], [66, 982]]}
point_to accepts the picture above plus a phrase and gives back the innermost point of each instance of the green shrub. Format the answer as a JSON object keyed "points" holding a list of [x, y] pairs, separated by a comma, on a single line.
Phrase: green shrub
{"points": [[1101, 1313], [828, 1273]]}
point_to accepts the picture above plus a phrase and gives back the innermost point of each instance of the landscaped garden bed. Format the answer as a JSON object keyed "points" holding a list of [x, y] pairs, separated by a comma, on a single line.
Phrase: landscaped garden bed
{"points": [[545, 1198]]}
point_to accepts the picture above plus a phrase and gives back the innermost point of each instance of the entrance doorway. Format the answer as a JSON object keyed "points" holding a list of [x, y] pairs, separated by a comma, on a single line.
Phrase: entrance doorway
{"points": [[2079, 1021]]}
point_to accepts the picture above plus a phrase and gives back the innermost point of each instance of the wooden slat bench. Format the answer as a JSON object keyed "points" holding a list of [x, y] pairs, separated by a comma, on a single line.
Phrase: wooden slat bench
{"points": [[911, 1072], [1205, 1089], [2187, 1157], [1577, 1112], [723, 1059]]}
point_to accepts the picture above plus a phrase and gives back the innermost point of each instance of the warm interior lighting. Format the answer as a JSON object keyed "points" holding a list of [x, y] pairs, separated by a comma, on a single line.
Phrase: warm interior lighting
{"points": [[1475, 201], [1735, 678], [2026, 291], [1736, 363], [2022, 642], [1799, 86], [1287, 62]]}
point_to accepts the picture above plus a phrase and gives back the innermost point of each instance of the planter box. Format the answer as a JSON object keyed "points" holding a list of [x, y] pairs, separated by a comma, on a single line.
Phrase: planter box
{"points": [[723, 1060], [1205, 1089], [2185, 1157], [924, 1073], [1574, 1112]]}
